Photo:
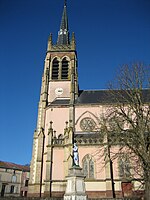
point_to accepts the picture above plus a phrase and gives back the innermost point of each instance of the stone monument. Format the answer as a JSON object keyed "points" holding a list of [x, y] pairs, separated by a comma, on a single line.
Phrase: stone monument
{"points": [[75, 189]]}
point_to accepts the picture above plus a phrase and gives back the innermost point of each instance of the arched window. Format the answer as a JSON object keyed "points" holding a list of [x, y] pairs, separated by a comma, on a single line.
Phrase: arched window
{"points": [[88, 166], [60, 139], [91, 168], [55, 69], [85, 167], [124, 166], [64, 71]]}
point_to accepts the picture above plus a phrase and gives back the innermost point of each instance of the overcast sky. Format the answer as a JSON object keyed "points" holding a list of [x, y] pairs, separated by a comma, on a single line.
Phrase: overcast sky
{"points": [[109, 33]]}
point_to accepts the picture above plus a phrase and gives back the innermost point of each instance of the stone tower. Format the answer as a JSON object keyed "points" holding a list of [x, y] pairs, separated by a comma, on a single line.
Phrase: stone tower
{"points": [[53, 137]]}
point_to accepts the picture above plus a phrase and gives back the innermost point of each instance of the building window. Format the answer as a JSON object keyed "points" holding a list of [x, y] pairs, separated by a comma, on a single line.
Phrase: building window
{"points": [[21, 193], [87, 124], [64, 71], [124, 167], [3, 190], [12, 189], [14, 179], [85, 168], [25, 194], [91, 168], [55, 69], [88, 166], [26, 182]]}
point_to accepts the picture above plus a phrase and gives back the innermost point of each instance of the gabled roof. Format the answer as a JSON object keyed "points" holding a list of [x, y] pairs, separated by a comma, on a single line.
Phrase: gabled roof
{"points": [[9, 165]]}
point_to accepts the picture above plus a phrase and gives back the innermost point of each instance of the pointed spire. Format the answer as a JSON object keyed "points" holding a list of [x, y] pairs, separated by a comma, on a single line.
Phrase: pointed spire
{"points": [[73, 41], [50, 42], [63, 34]]}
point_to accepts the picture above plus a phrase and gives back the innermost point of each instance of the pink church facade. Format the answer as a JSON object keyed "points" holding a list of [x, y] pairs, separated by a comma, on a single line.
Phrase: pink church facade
{"points": [[66, 115]]}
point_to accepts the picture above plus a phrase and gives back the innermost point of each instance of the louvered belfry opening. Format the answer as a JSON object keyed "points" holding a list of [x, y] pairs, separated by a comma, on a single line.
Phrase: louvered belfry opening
{"points": [[64, 72], [55, 69]]}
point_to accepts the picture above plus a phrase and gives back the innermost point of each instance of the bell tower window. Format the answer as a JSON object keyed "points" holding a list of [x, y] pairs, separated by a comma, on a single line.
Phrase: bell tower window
{"points": [[64, 71], [55, 69]]}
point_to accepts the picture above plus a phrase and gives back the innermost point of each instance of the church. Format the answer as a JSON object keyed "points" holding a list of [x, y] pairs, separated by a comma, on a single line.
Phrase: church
{"points": [[68, 115]]}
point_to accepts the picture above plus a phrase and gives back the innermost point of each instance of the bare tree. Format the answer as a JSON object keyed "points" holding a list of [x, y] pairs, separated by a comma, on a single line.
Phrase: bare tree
{"points": [[127, 121]]}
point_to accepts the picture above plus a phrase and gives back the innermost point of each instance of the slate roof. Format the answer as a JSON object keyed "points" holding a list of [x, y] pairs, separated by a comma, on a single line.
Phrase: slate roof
{"points": [[107, 97], [61, 102], [101, 97], [9, 165], [93, 97]]}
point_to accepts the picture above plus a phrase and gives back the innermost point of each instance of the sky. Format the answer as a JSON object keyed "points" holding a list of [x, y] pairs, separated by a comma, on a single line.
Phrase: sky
{"points": [[109, 33]]}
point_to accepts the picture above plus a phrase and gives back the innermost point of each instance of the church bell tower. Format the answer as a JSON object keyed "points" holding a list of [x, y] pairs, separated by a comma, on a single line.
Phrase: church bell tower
{"points": [[56, 112]]}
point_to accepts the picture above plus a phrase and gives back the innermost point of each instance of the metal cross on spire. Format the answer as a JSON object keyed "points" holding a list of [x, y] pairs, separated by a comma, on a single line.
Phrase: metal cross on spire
{"points": [[65, 2]]}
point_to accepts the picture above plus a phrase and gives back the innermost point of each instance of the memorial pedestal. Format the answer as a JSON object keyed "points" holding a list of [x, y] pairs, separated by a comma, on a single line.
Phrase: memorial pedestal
{"points": [[75, 189]]}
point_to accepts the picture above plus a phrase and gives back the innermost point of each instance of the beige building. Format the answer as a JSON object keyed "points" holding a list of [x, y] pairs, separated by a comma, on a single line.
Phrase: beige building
{"points": [[67, 115], [14, 179]]}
